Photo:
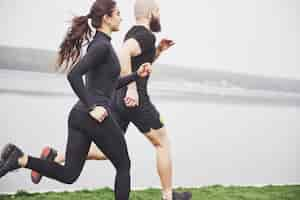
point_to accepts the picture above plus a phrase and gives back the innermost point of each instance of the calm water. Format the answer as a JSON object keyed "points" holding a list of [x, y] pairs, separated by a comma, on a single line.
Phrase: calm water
{"points": [[214, 141]]}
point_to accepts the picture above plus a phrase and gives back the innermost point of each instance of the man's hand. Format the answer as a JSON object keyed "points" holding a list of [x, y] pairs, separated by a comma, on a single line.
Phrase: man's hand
{"points": [[165, 44], [132, 97]]}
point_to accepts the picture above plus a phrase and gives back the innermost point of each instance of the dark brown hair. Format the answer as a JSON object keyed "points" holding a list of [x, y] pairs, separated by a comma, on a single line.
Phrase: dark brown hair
{"points": [[80, 33]]}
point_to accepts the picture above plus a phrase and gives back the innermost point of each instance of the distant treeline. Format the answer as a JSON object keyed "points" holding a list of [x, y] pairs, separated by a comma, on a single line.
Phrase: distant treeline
{"points": [[27, 59]]}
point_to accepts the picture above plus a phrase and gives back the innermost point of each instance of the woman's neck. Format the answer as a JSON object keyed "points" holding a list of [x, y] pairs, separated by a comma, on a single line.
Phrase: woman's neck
{"points": [[105, 30]]}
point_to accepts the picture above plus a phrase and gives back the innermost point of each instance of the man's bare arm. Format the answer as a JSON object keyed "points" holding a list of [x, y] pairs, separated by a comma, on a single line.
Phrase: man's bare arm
{"points": [[129, 49]]}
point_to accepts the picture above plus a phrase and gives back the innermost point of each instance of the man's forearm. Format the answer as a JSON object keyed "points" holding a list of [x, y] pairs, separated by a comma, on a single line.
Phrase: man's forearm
{"points": [[157, 53], [126, 66]]}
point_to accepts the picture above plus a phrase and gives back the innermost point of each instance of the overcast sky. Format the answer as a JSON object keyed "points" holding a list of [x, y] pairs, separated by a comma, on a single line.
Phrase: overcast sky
{"points": [[251, 36]]}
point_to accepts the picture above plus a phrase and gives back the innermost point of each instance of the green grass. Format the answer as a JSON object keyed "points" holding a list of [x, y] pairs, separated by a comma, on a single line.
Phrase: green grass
{"points": [[217, 192]]}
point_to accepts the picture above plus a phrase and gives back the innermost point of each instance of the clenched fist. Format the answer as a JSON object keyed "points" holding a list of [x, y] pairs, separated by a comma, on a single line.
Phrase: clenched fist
{"points": [[99, 113]]}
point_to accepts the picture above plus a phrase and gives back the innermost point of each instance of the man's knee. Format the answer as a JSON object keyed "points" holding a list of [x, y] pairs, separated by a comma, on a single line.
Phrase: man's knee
{"points": [[158, 137], [98, 156]]}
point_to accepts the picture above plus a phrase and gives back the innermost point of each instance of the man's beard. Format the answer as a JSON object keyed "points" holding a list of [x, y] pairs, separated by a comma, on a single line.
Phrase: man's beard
{"points": [[155, 25]]}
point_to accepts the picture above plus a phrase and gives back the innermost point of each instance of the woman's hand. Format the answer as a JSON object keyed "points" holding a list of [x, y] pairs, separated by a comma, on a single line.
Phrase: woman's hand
{"points": [[99, 113], [144, 70]]}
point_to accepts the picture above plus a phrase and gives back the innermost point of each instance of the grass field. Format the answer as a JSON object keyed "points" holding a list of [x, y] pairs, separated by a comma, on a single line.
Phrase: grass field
{"points": [[217, 192]]}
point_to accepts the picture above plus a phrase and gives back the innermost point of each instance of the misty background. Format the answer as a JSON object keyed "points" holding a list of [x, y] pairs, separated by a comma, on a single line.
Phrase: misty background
{"points": [[229, 92]]}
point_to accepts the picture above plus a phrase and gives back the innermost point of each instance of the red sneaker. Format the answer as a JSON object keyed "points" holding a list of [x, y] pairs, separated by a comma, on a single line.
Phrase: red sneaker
{"points": [[48, 153]]}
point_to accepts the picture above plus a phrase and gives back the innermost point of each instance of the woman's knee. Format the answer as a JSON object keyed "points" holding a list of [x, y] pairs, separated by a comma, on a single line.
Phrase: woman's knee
{"points": [[70, 179], [70, 176]]}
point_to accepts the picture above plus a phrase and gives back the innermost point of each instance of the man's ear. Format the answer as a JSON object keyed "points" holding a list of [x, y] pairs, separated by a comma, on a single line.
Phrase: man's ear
{"points": [[150, 14]]}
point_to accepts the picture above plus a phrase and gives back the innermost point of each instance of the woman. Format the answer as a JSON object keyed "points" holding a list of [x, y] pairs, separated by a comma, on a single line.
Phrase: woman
{"points": [[90, 119]]}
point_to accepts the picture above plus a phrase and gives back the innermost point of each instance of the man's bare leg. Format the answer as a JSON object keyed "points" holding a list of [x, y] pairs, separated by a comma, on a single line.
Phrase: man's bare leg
{"points": [[161, 143], [94, 154]]}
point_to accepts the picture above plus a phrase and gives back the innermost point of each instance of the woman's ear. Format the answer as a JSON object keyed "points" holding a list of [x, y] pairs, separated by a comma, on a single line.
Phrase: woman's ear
{"points": [[106, 19]]}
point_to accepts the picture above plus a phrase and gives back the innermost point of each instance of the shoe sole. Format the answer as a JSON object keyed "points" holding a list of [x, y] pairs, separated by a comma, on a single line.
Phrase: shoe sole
{"points": [[5, 154], [189, 196], [9, 154]]}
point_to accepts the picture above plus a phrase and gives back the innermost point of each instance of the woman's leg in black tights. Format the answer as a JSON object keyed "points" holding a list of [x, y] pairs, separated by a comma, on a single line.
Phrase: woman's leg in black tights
{"points": [[78, 145], [109, 137]]}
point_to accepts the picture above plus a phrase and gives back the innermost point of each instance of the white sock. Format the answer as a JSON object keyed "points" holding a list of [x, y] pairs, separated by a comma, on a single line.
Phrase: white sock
{"points": [[167, 195]]}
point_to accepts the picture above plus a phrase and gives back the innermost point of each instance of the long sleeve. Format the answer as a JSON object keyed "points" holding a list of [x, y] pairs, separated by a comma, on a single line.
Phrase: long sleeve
{"points": [[125, 80], [93, 58]]}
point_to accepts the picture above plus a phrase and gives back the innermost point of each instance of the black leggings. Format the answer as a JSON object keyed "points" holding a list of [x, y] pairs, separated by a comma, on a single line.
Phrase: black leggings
{"points": [[83, 129]]}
